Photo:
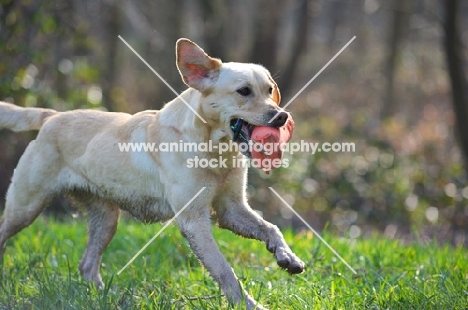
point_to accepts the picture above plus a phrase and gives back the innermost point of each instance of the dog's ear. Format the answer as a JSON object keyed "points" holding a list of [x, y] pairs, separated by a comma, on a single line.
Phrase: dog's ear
{"points": [[276, 95], [198, 70]]}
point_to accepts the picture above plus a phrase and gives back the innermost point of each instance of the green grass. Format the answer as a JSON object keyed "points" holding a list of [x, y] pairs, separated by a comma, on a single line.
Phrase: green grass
{"points": [[40, 272]]}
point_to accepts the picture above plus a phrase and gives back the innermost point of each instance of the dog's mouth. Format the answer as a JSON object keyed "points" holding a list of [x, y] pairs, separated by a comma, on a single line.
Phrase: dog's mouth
{"points": [[242, 133]]}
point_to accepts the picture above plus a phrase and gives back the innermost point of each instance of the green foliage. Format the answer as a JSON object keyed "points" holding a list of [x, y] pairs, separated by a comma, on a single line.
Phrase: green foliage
{"points": [[40, 272], [42, 57], [400, 177]]}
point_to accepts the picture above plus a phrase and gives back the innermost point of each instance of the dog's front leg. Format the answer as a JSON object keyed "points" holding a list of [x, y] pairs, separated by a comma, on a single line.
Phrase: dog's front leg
{"points": [[196, 228], [236, 215]]}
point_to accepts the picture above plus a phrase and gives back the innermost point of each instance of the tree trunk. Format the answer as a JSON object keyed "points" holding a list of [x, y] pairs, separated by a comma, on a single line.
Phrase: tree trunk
{"points": [[400, 17], [266, 33], [214, 15], [298, 47], [113, 20], [456, 70], [458, 80]]}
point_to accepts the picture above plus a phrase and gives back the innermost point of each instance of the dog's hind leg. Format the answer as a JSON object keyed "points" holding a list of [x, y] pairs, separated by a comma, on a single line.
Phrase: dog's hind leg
{"points": [[103, 219], [32, 188], [15, 219]]}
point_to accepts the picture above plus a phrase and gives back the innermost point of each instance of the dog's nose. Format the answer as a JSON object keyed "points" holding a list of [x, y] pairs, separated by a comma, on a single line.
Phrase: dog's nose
{"points": [[280, 119]]}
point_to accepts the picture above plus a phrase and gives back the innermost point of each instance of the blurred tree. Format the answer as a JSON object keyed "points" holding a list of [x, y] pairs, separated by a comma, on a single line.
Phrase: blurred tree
{"points": [[215, 19], [163, 16], [297, 48], [399, 23], [266, 32], [456, 68], [112, 25], [336, 15]]}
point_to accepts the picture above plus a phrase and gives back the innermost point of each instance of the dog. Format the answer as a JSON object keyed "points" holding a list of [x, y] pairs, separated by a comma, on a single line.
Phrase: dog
{"points": [[76, 152]]}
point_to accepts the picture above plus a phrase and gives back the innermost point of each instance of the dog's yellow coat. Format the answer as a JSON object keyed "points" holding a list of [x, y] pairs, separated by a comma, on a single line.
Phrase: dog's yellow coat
{"points": [[77, 152]]}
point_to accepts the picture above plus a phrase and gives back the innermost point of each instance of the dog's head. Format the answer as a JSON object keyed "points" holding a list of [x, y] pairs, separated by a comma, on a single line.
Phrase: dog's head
{"points": [[230, 91]]}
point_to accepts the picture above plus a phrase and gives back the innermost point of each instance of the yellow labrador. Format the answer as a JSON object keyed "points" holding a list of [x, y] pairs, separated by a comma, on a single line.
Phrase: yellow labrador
{"points": [[77, 152]]}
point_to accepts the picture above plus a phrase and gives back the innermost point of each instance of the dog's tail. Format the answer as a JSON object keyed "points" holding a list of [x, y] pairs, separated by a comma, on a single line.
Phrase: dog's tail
{"points": [[22, 119]]}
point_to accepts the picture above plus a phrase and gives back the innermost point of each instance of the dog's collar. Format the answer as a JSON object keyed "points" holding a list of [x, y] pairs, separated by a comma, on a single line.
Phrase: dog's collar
{"points": [[236, 128]]}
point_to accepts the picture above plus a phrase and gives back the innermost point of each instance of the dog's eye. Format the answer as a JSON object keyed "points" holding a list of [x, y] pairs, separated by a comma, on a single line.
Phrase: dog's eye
{"points": [[244, 91], [270, 90]]}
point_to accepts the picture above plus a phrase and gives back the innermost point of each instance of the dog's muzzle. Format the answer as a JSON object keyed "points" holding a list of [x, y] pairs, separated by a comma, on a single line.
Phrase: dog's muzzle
{"points": [[242, 130]]}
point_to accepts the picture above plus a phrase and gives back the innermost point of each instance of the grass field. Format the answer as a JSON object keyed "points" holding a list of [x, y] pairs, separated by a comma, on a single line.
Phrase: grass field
{"points": [[40, 271]]}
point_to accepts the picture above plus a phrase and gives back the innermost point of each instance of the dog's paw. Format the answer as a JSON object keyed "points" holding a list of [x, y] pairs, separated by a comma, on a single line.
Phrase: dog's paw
{"points": [[289, 261], [90, 271]]}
